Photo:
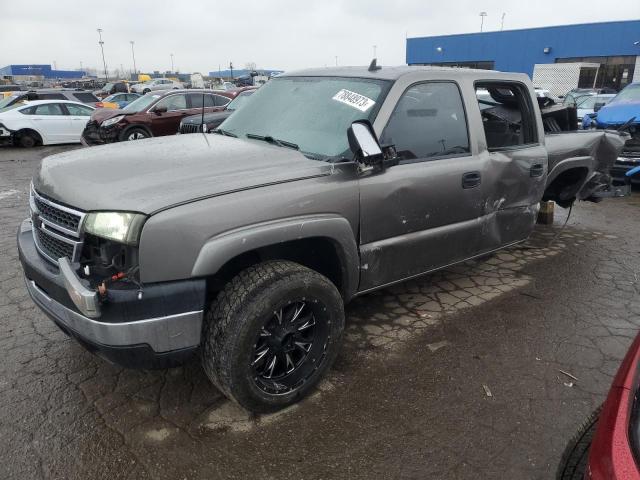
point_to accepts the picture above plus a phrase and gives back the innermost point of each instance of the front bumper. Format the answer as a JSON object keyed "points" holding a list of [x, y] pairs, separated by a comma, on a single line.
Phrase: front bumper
{"points": [[157, 329], [96, 135], [6, 135]]}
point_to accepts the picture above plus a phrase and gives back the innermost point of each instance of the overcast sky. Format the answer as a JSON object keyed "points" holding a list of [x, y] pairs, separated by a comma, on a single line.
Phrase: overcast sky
{"points": [[279, 34]]}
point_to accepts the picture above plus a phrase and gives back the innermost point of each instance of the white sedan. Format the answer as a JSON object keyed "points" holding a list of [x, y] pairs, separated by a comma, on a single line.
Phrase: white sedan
{"points": [[44, 122]]}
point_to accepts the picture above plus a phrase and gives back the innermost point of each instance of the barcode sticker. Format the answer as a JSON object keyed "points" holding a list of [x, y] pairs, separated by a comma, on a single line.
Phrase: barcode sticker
{"points": [[354, 100]]}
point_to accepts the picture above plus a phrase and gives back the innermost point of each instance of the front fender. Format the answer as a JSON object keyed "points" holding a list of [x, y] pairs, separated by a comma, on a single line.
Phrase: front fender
{"points": [[228, 245]]}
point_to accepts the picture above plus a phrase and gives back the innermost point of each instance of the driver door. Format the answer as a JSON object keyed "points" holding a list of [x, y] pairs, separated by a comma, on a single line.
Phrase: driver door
{"points": [[167, 123], [423, 213]]}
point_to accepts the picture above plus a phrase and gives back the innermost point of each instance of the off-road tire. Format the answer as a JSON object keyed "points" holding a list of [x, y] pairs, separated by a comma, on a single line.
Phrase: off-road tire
{"points": [[237, 315], [574, 459], [27, 140]]}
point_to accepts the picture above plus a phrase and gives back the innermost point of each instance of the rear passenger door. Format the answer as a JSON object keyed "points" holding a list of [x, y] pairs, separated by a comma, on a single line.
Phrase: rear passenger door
{"points": [[517, 160], [423, 213]]}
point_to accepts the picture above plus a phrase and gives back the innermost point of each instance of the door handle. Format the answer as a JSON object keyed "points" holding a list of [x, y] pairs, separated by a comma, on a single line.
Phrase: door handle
{"points": [[471, 179], [537, 170]]}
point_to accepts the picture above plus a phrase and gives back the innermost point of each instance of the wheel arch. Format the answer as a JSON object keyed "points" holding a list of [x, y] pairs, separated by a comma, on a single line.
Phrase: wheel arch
{"points": [[324, 243], [566, 180]]}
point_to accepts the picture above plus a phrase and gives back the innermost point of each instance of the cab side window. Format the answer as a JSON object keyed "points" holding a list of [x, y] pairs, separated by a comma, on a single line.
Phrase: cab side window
{"points": [[507, 114], [428, 122]]}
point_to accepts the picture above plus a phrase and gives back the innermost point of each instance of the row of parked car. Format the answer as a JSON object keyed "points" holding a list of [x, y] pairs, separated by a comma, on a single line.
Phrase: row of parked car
{"points": [[59, 116]]}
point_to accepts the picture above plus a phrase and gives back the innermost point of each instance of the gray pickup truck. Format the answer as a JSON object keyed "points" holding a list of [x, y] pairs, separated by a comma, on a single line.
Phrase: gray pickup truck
{"points": [[244, 245]]}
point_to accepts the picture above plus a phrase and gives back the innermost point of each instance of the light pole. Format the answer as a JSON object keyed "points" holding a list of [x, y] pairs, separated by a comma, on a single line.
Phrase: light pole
{"points": [[482, 15], [502, 22], [104, 63], [133, 54], [172, 63]]}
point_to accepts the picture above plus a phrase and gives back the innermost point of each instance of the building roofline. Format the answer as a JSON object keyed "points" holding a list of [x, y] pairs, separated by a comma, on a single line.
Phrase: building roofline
{"points": [[548, 27]]}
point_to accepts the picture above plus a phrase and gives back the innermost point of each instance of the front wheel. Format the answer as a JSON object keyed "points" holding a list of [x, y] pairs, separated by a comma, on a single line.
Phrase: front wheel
{"points": [[271, 334], [135, 134], [573, 463]]}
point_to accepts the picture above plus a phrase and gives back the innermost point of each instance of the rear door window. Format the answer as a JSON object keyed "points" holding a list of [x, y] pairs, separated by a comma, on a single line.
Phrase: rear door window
{"points": [[78, 110], [507, 114], [196, 100]]}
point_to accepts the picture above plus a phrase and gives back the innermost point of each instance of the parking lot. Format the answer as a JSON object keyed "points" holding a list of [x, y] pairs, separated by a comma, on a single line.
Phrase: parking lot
{"points": [[453, 375]]}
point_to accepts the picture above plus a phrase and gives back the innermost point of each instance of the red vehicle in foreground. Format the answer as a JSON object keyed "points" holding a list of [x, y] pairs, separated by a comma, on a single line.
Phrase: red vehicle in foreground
{"points": [[608, 444]]}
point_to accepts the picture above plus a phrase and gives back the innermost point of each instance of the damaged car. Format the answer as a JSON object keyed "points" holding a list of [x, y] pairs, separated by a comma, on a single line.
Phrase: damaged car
{"points": [[243, 246]]}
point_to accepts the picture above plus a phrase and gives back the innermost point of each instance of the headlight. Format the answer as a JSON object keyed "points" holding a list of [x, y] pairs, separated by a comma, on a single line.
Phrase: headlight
{"points": [[123, 227], [112, 121]]}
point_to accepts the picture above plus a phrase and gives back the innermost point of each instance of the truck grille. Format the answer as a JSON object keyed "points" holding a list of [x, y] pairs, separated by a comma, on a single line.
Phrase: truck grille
{"points": [[53, 247], [62, 218], [56, 228], [190, 128]]}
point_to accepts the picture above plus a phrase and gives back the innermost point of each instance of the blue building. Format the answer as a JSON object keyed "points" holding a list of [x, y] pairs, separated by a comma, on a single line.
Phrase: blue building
{"points": [[38, 71], [615, 46]]}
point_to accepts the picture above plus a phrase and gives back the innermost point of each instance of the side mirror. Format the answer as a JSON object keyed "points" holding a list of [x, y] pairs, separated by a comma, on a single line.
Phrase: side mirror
{"points": [[363, 142], [598, 106], [160, 109]]}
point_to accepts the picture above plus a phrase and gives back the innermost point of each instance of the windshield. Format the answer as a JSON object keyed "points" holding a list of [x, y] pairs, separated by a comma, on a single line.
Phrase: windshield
{"points": [[590, 102], [6, 101], [239, 101], [110, 98], [629, 94], [141, 103], [313, 113]]}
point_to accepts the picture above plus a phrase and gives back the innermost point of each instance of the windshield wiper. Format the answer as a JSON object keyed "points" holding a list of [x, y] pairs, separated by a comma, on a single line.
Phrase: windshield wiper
{"points": [[224, 132], [275, 141]]}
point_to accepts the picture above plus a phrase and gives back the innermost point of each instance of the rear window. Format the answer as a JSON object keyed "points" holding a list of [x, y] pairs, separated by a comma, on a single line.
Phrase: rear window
{"points": [[51, 96], [86, 97]]}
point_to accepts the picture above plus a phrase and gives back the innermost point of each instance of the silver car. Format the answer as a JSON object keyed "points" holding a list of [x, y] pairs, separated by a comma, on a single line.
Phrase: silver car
{"points": [[156, 84]]}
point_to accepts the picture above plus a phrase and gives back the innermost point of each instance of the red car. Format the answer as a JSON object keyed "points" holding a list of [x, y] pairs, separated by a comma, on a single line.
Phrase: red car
{"points": [[155, 114], [608, 444]]}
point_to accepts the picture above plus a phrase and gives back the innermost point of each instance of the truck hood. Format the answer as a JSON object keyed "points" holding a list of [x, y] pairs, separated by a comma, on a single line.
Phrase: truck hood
{"points": [[155, 174], [618, 113]]}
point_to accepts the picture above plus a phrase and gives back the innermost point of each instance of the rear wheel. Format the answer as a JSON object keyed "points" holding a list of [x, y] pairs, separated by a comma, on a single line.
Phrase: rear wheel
{"points": [[135, 134], [145, 91], [271, 333], [574, 459]]}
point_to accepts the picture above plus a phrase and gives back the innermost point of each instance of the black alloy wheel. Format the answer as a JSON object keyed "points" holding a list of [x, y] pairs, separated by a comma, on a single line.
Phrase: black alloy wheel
{"points": [[290, 346]]}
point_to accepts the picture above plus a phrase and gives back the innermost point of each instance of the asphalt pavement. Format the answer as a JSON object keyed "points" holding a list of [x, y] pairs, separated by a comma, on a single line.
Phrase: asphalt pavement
{"points": [[453, 375]]}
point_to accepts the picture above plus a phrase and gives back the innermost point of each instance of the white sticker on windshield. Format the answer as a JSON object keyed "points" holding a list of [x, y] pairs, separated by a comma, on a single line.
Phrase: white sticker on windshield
{"points": [[354, 100]]}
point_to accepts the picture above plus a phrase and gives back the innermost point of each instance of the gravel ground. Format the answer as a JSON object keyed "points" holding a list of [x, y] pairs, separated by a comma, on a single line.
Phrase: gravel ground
{"points": [[454, 375]]}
